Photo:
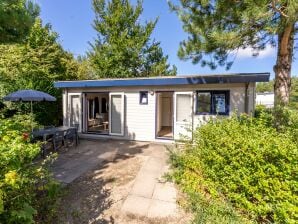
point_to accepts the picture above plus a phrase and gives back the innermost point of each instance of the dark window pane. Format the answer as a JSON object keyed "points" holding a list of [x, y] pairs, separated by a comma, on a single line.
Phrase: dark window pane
{"points": [[204, 103], [220, 103], [91, 108], [103, 105], [96, 106]]}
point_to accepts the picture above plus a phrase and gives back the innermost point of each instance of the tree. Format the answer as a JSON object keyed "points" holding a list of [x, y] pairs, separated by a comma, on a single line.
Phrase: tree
{"points": [[269, 86], [265, 86], [220, 27], [36, 65], [123, 47], [16, 19], [85, 70]]}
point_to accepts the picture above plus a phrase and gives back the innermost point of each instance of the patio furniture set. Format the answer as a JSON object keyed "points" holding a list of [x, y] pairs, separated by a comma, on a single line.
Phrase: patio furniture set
{"points": [[54, 138]]}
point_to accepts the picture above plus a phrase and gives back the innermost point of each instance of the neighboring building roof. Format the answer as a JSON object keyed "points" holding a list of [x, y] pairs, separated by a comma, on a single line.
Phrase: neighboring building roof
{"points": [[167, 81]]}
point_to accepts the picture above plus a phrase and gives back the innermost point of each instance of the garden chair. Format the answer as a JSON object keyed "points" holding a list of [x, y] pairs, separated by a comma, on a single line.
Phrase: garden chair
{"points": [[58, 140], [77, 130], [45, 147], [71, 137]]}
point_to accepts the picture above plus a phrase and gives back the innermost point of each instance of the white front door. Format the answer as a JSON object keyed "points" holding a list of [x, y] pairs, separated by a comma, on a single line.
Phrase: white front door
{"points": [[75, 111], [183, 114], [116, 114]]}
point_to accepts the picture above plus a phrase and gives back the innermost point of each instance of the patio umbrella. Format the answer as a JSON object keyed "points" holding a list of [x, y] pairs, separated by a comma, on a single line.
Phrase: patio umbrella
{"points": [[29, 95]]}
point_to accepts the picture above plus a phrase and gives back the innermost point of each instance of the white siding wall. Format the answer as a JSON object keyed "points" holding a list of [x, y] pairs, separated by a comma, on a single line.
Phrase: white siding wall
{"points": [[140, 119]]}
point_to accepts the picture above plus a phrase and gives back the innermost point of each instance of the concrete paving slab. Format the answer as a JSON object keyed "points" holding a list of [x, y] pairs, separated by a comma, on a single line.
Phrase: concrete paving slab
{"points": [[149, 196], [136, 205], [165, 192], [144, 185], [76, 161], [161, 209], [156, 150], [153, 165]]}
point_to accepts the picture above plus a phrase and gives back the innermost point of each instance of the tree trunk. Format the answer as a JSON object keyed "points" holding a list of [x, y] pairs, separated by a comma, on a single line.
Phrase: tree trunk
{"points": [[282, 69]]}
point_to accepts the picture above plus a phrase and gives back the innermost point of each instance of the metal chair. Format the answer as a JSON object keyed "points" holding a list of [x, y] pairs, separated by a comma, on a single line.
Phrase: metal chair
{"points": [[58, 140], [77, 132], [45, 146], [71, 137]]}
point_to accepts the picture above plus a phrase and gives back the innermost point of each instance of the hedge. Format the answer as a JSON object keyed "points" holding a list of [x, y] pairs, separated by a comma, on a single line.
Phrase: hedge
{"points": [[245, 162]]}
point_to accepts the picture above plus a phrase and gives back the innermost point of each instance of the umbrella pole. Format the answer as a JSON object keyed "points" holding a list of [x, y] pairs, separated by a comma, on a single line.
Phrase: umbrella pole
{"points": [[31, 116]]}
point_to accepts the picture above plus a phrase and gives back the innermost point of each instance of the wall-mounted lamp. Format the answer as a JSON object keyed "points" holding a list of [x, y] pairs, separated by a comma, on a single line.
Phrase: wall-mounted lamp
{"points": [[151, 92]]}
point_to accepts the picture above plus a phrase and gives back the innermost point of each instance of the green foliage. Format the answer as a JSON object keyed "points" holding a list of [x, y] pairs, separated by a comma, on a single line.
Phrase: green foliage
{"points": [[246, 163], [16, 19], [24, 184], [85, 69], [218, 28], [294, 94], [123, 47], [285, 120], [36, 65], [265, 86], [268, 87]]}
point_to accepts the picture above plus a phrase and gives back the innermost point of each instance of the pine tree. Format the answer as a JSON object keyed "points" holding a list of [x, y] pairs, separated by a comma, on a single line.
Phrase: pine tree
{"points": [[217, 28], [16, 19], [123, 47]]}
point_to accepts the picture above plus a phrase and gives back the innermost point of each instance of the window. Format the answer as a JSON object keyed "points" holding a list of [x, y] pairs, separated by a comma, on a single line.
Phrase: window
{"points": [[204, 102], [213, 102], [144, 97], [91, 108], [104, 105], [96, 106]]}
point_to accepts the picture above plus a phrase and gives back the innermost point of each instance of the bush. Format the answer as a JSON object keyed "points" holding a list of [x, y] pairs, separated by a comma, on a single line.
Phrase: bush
{"points": [[246, 162], [22, 180], [285, 120]]}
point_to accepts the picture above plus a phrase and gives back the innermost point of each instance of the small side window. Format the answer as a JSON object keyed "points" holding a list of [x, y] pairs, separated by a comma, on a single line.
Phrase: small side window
{"points": [[144, 97]]}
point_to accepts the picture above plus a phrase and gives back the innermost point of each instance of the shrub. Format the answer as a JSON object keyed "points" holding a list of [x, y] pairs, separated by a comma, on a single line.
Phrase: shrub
{"points": [[246, 162], [22, 180]]}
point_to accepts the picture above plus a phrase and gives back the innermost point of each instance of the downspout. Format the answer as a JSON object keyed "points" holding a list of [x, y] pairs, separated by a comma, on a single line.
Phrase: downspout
{"points": [[246, 98], [254, 100]]}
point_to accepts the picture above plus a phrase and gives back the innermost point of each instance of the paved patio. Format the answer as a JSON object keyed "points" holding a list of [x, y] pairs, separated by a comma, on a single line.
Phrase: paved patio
{"points": [[149, 195]]}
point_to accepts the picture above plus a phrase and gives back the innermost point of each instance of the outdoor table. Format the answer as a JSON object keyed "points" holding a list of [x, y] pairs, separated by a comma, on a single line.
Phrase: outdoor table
{"points": [[49, 131]]}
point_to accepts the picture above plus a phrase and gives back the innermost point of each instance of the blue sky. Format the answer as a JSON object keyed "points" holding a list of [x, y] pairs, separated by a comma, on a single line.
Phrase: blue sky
{"points": [[72, 19]]}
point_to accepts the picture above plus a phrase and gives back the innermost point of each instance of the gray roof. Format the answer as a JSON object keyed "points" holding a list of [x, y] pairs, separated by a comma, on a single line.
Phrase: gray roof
{"points": [[167, 81]]}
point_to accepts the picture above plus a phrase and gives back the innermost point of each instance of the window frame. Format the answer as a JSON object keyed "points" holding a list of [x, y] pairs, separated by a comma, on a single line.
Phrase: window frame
{"points": [[140, 97], [212, 105]]}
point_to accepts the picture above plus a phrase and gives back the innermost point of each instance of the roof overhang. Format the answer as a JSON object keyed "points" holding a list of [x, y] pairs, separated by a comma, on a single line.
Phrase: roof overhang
{"points": [[167, 81]]}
